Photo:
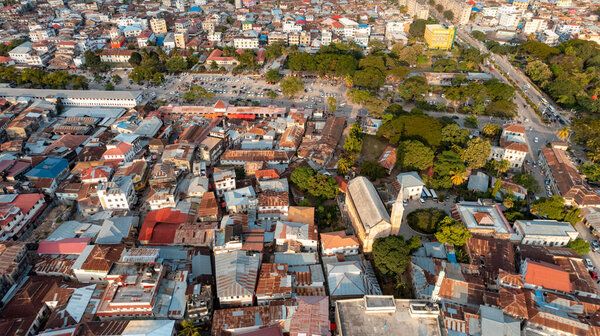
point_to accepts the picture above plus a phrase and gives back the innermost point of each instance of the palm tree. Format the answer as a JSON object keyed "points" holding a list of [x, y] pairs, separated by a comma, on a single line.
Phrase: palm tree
{"points": [[564, 133], [349, 81], [457, 177], [188, 329]]}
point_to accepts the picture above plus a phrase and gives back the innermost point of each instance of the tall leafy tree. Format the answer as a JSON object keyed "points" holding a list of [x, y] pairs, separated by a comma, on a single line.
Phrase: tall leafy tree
{"points": [[413, 154], [477, 152], [392, 254]]}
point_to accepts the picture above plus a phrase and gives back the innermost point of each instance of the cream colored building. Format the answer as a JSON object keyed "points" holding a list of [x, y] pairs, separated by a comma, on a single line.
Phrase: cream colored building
{"points": [[245, 43], [158, 26], [180, 39], [368, 214]]}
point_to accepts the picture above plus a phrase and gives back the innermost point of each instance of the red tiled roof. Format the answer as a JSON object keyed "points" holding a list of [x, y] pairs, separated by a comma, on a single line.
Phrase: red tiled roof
{"points": [[516, 146], [121, 149], [266, 174], [63, 246], [331, 240], [515, 129], [220, 104], [547, 275], [160, 226]]}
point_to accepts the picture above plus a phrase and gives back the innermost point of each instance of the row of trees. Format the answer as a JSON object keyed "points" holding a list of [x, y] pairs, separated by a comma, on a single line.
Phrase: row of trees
{"points": [[569, 73], [38, 78], [352, 147]]}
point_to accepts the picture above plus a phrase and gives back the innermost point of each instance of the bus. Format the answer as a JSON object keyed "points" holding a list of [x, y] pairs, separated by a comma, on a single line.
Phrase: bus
{"points": [[433, 194], [426, 192]]}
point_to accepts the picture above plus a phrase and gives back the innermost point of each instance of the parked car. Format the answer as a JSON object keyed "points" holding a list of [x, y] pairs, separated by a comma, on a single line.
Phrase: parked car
{"points": [[595, 245], [588, 264], [405, 202], [594, 275], [422, 201]]}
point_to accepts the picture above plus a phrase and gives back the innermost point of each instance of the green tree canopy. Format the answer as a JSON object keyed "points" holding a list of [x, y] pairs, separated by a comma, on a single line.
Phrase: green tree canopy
{"points": [[538, 71], [554, 208], [176, 64], [353, 142], [273, 76], [527, 181], [413, 154], [477, 152], [497, 90], [373, 170], [318, 185], [291, 86], [454, 135], [449, 15], [452, 232], [537, 49], [579, 245], [371, 78], [391, 254], [479, 35]]}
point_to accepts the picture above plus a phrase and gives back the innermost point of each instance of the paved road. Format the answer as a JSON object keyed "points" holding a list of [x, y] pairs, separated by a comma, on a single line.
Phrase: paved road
{"points": [[521, 80], [587, 235]]}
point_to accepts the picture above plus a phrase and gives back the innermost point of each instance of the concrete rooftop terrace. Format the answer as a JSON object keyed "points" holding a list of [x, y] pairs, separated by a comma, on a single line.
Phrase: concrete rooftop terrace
{"points": [[354, 320]]}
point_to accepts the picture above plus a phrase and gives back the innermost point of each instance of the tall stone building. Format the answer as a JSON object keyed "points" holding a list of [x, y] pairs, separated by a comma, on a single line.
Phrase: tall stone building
{"points": [[368, 214]]}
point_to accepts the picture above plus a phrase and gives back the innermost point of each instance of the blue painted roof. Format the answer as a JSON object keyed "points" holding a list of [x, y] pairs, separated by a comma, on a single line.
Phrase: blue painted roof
{"points": [[362, 25], [49, 168], [195, 9]]}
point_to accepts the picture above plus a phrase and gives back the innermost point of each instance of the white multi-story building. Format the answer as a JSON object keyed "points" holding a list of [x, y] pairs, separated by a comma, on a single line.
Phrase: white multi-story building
{"points": [[40, 34], [25, 54], [411, 185], [245, 42], [333, 243], [491, 11], [241, 200], [126, 21], [291, 27], [326, 37], [79, 97], [567, 30], [508, 19], [350, 27], [534, 25], [304, 234], [215, 36], [224, 181], [513, 146], [117, 194], [545, 232], [548, 36]]}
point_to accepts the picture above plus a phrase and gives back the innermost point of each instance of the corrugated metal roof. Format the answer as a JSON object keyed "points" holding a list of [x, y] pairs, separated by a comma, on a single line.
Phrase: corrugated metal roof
{"points": [[236, 273]]}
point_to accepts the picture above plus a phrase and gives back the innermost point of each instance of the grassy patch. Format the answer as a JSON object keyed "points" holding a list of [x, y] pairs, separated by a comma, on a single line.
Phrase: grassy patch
{"points": [[372, 147]]}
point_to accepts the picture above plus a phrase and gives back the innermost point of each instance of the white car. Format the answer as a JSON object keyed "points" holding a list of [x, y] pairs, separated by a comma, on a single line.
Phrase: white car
{"points": [[536, 140], [588, 263], [422, 201]]}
